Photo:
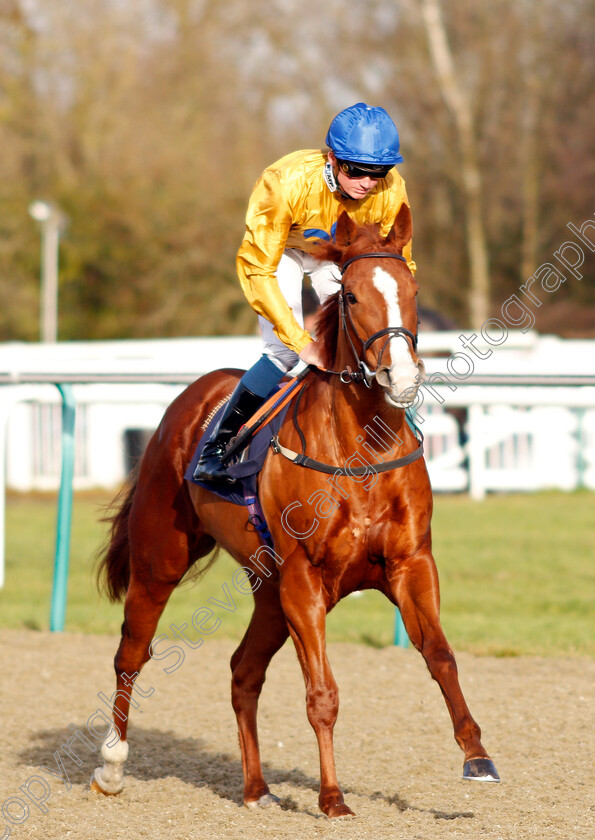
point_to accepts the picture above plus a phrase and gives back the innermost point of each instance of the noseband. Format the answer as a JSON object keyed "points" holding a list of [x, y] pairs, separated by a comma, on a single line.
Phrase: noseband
{"points": [[363, 372]]}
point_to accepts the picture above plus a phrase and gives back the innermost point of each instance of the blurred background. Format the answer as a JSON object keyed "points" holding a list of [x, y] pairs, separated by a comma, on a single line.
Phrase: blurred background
{"points": [[131, 134], [147, 122]]}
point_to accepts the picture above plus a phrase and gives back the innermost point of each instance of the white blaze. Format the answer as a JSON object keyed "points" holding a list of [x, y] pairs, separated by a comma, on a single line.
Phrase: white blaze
{"points": [[397, 356]]}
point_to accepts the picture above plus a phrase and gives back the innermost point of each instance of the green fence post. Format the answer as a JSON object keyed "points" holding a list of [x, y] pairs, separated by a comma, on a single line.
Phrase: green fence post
{"points": [[59, 593], [401, 637]]}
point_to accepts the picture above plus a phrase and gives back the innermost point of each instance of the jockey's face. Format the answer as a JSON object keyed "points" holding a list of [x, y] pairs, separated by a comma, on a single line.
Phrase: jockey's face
{"points": [[356, 188]]}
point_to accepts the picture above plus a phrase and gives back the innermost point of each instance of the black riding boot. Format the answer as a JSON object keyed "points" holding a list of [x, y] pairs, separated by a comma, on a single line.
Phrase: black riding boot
{"points": [[240, 407]]}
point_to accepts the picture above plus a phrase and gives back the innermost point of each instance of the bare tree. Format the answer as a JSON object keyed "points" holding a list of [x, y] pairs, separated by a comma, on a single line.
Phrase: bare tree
{"points": [[148, 123], [471, 181]]}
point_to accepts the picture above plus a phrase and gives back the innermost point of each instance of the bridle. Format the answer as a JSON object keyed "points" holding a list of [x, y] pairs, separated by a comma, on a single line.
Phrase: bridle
{"points": [[363, 372]]}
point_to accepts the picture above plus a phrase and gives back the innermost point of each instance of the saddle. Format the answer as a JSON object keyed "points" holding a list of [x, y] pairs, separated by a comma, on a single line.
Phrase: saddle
{"points": [[245, 454]]}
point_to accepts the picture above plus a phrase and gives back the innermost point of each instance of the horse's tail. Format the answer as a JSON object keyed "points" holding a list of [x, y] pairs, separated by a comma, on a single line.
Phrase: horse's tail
{"points": [[113, 569]]}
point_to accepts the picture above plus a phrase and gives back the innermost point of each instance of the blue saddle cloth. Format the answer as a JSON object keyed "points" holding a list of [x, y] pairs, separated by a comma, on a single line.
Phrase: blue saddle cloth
{"points": [[245, 470]]}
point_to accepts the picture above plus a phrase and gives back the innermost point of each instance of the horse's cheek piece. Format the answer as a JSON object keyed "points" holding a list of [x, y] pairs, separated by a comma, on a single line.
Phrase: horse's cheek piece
{"points": [[109, 779]]}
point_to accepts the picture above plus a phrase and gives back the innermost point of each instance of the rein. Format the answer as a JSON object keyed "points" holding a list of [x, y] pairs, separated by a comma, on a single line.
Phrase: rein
{"points": [[303, 460], [363, 372]]}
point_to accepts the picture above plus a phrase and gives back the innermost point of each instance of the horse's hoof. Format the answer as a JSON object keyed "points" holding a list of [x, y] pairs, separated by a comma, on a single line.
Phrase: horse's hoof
{"points": [[340, 809], [96, 787], [480, 770], [266, 801]]}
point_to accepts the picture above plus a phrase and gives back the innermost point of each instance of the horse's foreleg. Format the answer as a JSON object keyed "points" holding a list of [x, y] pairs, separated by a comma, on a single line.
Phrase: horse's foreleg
{"points": [[414, 585], [266, 633], [304, 606], [142, 610]]}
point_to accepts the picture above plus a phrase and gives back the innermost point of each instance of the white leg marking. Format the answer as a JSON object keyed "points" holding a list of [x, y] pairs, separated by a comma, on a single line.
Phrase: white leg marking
{"points": [[110, 777]]}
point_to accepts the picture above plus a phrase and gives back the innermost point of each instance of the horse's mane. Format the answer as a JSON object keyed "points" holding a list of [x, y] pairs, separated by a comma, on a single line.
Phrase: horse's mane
{"points": [[366, 240], [326, 328]]}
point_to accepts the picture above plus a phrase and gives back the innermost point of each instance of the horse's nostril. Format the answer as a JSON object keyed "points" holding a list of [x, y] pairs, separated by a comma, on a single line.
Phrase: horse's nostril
{"points": [[383, 377]]}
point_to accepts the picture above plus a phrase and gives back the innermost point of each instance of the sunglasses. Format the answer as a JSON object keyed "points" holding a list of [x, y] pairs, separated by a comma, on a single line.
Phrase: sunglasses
{"points": [[355, 170]]}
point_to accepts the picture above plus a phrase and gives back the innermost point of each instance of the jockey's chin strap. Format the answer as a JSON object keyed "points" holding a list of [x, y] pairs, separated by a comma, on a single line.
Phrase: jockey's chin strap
{"points": [[363, 372]]}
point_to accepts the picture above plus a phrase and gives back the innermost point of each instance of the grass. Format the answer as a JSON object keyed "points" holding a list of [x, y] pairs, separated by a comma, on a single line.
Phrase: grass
{"points": [[516, 573]]}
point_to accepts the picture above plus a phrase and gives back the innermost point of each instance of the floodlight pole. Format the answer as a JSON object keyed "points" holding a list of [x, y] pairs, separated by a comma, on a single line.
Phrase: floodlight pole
{"points": [[49, 282], [49, 217]]}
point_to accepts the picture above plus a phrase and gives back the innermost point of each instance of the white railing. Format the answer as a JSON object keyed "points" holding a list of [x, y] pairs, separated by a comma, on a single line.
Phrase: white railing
{"points": [[475, 446], [482, 433], [523, 419], [511, 446]]}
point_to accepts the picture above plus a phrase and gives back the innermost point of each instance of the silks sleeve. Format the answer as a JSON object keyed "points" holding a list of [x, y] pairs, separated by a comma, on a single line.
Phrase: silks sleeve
{"points": [[268, 220]]}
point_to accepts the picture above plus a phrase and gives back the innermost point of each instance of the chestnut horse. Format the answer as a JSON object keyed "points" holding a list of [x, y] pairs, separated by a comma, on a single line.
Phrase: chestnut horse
{"points": [[364, 527]]}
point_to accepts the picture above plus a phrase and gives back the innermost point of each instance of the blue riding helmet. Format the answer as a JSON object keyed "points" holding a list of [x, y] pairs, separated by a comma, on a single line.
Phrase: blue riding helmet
{"points": [[364, 134]]}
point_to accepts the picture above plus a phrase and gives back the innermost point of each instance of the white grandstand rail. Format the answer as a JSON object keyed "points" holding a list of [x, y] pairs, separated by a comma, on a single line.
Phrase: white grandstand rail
{"points": [[171, 377], [554, 372], [110, 378], [519, 392]]}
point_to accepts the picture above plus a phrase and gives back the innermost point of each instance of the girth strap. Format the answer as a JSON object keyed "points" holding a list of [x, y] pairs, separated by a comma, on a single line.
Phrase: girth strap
{"points": [[304, 461]]}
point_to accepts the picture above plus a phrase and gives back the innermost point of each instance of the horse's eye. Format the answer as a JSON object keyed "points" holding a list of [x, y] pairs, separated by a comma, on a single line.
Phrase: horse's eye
{"points": [[350, 297]]}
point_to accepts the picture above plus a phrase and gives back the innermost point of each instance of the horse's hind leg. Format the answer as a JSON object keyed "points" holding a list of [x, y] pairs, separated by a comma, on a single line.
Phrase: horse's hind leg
{"points": [[146, 597], [266, 633], [415, 588], [143, 607]]}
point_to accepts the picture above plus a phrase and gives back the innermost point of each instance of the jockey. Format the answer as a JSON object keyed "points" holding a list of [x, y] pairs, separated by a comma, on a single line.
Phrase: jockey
{"points": [[295, 203]]}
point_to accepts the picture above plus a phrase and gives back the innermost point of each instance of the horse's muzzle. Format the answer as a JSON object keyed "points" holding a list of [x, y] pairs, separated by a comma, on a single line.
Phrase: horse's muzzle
{"points": [[405, 397]]}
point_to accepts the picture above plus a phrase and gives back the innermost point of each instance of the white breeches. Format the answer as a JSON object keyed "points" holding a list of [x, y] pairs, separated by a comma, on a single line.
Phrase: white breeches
{"points": [[325, 278]]}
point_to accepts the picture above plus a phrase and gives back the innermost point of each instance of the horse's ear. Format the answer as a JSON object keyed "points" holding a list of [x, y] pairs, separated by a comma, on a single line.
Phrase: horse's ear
{"points": [[345, 231], [402, 229]]}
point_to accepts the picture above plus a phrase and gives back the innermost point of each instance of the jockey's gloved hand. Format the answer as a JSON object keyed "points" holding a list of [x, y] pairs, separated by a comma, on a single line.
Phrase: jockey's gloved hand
{"points": [[312, 355]]}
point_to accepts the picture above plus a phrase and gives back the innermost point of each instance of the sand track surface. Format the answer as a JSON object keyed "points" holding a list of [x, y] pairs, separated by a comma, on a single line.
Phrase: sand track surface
{"points": [[397, 761]]}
